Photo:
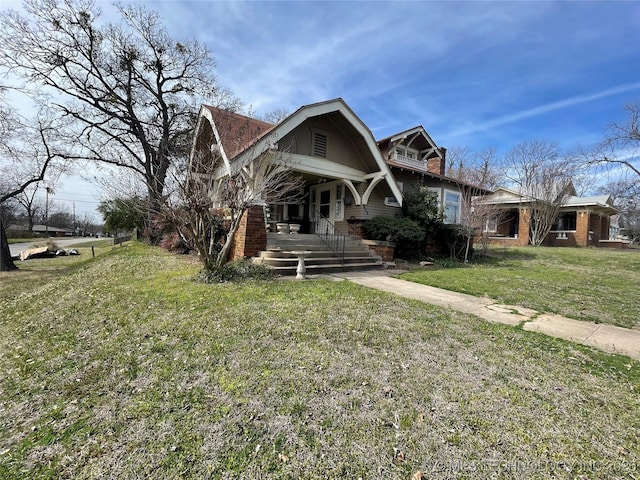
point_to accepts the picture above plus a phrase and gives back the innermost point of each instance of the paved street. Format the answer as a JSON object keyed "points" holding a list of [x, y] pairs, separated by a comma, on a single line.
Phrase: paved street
{"points": [[16, 248]]}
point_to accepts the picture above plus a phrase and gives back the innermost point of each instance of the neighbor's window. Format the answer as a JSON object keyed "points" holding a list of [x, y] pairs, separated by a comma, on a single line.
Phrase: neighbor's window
{"points": [[566, 221], [491, 225], [451, 207]]}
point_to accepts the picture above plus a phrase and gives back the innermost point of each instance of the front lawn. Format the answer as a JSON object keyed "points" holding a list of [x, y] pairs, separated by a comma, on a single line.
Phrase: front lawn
{"points": [[123, 367], [598, 285]]}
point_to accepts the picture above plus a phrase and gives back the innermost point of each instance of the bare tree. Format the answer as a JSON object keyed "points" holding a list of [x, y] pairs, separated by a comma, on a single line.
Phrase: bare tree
{"points": [[86, 224], [131, 89], [28, 156], [476, 168], [275, 116], [476, 215], [626, 198], [620, 148], [209, 206], [543, 179], [32, 207]]}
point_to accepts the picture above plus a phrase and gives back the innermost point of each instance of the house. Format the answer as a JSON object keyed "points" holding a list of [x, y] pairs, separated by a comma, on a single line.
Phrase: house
{"points": [[581, 222], [38, 230], [349, 176]]}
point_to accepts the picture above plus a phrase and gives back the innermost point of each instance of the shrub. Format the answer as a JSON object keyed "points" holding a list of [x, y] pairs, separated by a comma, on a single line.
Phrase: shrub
{"points": [[237, 271], [172, 242], [393, 229], [406, 233], [421, 205], [451, 239]]}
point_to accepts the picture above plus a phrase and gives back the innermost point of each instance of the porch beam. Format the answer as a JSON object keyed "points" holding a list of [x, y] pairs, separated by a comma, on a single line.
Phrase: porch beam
{"points": [[356, 196], [323, 168], [375, 180]]}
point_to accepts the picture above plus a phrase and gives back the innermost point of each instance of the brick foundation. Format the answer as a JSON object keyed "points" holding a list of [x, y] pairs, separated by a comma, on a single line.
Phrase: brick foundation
{"points": [[384, 250]]}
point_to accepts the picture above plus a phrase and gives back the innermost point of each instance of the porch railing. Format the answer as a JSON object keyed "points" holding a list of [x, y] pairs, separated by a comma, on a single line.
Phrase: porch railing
{"points": [[326, 230], [410, 162]]}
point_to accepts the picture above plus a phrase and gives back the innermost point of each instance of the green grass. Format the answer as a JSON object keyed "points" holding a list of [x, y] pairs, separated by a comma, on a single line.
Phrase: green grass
{"points": [[586, 284], [123, 367], [22, 240], [35, 272]]}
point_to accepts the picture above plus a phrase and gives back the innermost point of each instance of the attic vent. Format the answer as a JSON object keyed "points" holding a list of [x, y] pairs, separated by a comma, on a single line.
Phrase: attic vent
{"points": [[320, 144]]}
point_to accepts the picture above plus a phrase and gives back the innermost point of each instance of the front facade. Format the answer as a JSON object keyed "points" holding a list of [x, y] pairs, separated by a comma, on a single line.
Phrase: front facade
{"points": [[582, 221], [349, 177]]}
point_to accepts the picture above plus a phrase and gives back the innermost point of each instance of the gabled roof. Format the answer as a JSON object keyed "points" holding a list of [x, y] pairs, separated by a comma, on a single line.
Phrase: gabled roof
{"points": [[418, 129], [237, 132], [249, 137]]}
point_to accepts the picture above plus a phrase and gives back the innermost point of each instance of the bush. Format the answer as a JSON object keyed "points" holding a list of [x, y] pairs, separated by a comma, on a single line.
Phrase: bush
{"points": [[393, 229], [421, 205], [451, 238], [237, 271], [406, 233], [172, 242]]}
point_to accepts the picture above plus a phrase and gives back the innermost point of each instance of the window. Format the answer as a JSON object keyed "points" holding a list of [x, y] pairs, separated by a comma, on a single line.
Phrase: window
{"points": [[566, 221], [391, 201], [406, 153], [491, 225], [451, 207], [320, 144]]}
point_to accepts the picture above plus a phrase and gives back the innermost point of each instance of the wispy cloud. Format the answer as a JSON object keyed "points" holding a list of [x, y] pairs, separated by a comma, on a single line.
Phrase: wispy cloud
{"points": [[546, 108]]}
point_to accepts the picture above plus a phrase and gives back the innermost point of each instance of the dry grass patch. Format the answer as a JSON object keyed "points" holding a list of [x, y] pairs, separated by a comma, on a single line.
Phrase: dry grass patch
{"points": [[134, 371]]}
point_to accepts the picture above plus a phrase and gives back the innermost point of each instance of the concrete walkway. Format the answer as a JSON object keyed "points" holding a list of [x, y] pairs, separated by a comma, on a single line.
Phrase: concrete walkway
{"points": [[609, 338]]}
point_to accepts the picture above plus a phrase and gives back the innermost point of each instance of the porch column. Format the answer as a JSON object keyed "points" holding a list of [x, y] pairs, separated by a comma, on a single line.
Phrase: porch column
{"points": [[523, 226], [251, 237], [582, 228]]}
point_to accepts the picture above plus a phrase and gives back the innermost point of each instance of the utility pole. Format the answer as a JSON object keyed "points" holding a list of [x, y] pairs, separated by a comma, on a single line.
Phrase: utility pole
{"points": [[75, 228], [46, 210]]}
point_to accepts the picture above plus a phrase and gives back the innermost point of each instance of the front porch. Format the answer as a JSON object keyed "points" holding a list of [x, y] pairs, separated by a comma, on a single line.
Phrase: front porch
{"points": [[329, 252]]}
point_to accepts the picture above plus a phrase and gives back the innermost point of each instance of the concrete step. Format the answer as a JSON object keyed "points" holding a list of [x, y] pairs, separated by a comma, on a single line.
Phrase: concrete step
{"points": [[312, 261], [355, 252], [331, 268], [322, 259]]}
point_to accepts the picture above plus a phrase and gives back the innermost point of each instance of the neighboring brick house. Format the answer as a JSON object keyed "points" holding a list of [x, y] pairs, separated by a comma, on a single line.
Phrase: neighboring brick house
{"points": [[582, 222], [349, 176]]}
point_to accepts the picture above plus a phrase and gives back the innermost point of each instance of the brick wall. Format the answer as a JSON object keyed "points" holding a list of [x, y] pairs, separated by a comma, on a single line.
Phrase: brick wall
{"points": [[523, 227], [582, 228], [251, 237], [436, 164], [356, 228], [384, 250]]}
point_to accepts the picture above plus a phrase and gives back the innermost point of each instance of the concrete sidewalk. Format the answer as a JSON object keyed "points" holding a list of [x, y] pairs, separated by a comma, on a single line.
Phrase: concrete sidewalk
{"points": [[609, 338]]}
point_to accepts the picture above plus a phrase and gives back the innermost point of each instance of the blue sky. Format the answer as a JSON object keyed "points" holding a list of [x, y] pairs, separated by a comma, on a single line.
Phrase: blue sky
{"points": [[474, 74]]}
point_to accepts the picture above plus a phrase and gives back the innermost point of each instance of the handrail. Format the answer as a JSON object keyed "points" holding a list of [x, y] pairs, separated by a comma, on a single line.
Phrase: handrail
{"points": [[326, 230]]}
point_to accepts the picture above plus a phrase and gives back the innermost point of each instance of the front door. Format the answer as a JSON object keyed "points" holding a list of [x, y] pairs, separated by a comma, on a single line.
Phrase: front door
{"points": [[325, 200]]}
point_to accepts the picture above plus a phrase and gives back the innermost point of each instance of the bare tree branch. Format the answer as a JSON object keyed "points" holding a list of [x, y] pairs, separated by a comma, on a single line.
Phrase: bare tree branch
{"points": [[130, 88]]}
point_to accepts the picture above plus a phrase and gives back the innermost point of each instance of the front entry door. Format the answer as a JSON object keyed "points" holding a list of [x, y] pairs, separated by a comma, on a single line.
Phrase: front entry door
{"points": [[325, 205]]}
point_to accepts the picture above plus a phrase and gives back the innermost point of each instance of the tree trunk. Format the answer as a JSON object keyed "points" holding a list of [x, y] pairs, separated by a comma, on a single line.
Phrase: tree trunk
{"points": [[223, 256], [6, 262]]}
